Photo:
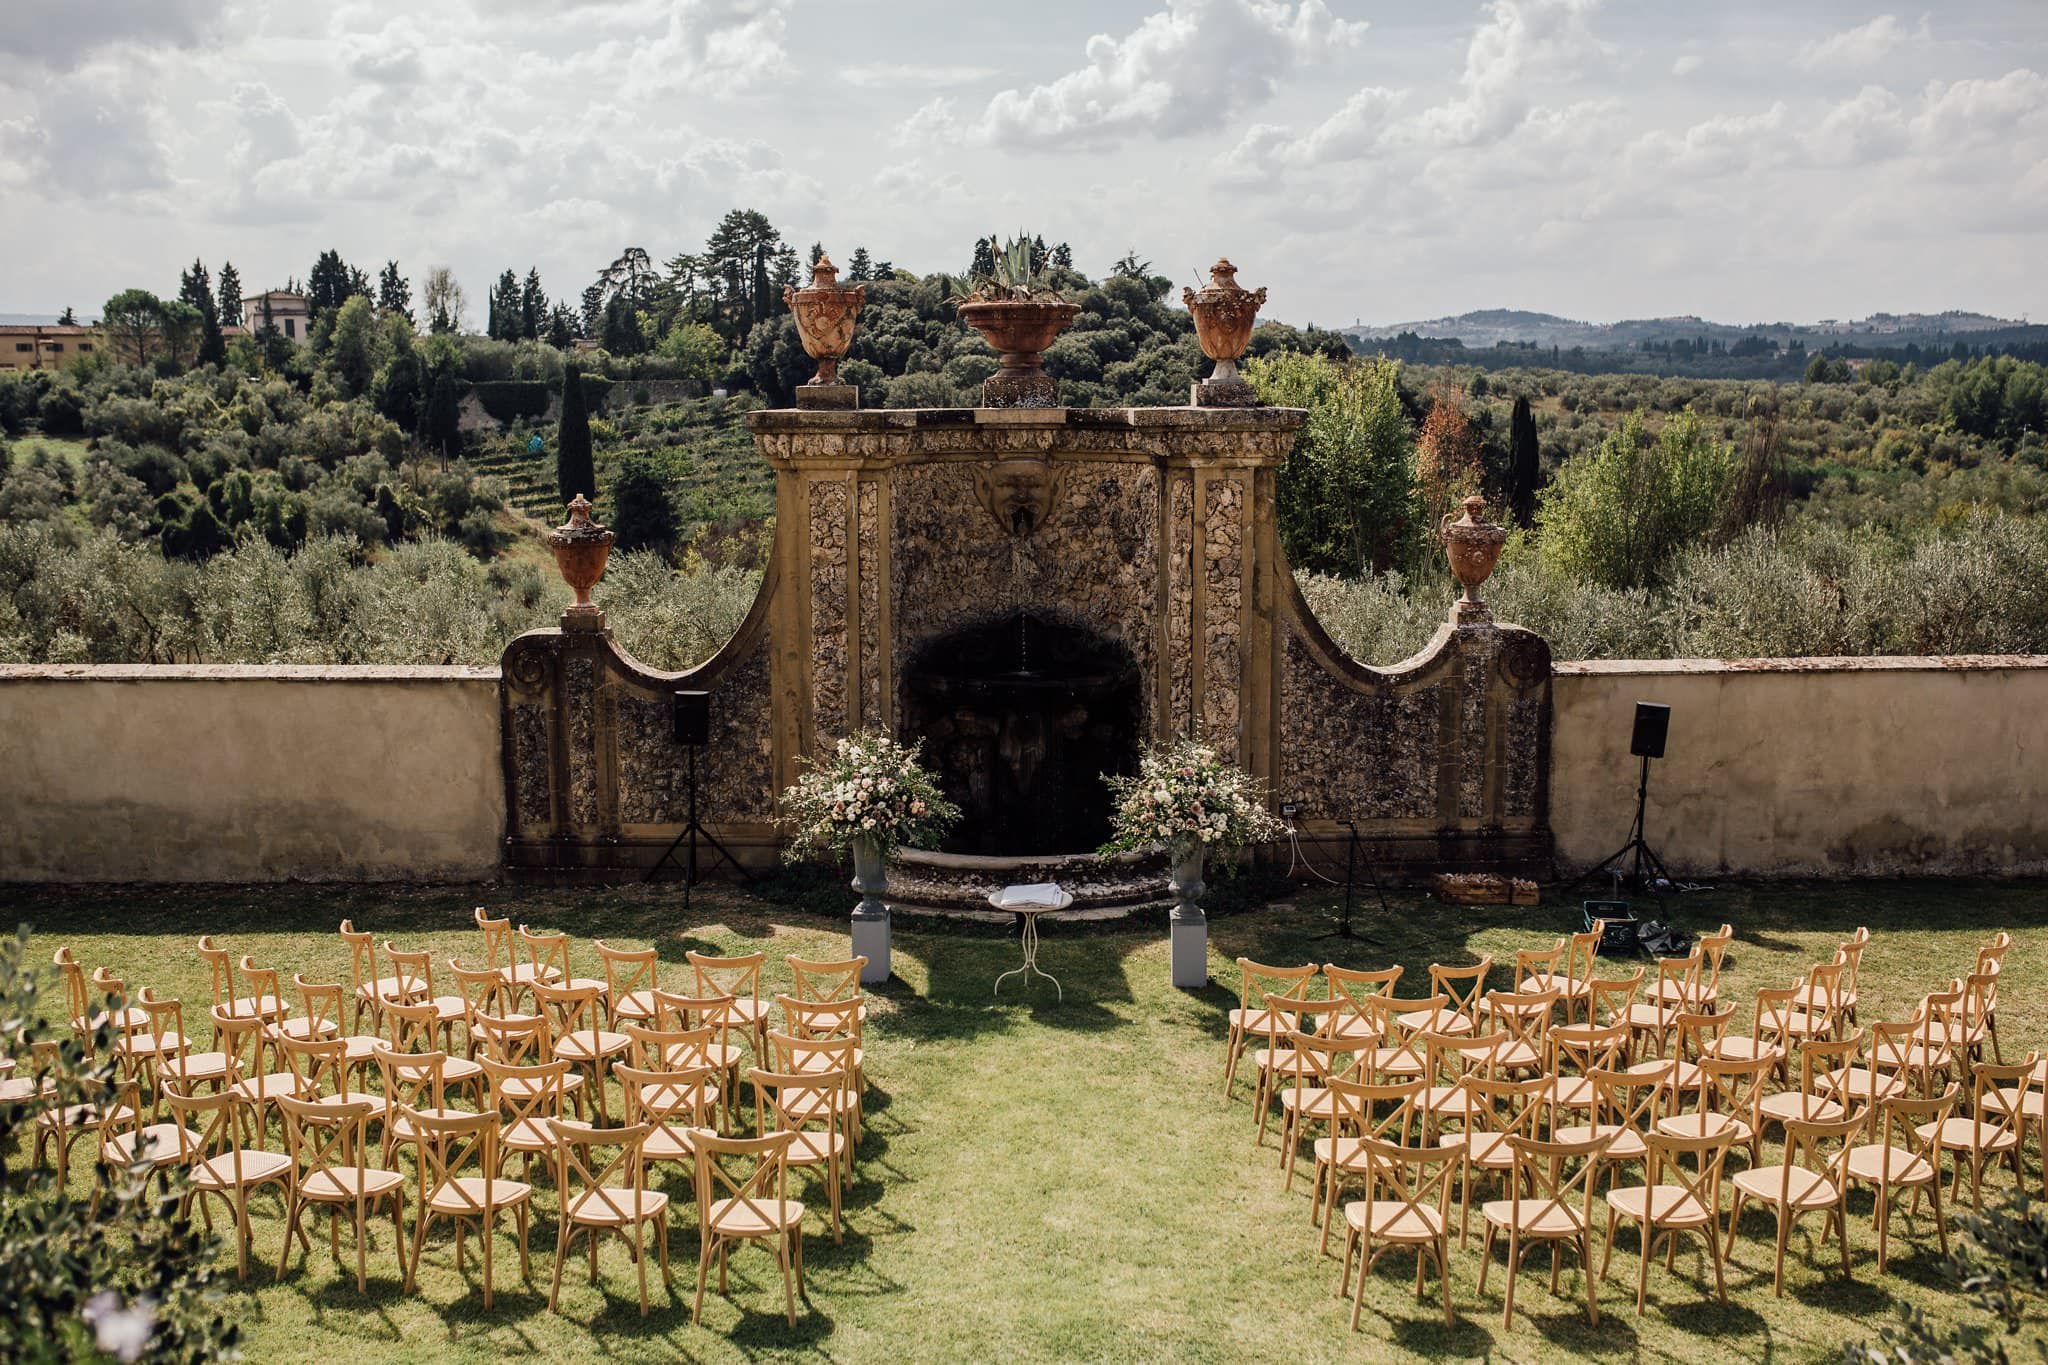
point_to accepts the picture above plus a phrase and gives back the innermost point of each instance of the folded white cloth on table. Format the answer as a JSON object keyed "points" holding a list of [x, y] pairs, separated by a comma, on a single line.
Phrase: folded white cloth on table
{"points": [[1043, 894]]}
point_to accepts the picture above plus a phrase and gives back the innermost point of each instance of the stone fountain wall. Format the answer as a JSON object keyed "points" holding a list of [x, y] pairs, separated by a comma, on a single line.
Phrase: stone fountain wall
{"points": [[1152, 526]]}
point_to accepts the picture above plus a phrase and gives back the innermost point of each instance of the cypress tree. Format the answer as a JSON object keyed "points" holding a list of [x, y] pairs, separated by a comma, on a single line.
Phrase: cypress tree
{"points": [[574, 471], [441, 426], [1525, 464]]}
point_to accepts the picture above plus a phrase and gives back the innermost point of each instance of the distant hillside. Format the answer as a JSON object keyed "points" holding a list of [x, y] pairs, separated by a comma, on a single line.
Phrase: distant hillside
{"points": [[1495, 326], [27, 319]]}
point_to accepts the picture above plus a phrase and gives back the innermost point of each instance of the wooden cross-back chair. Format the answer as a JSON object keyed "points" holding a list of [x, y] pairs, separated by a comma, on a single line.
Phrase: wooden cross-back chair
{"points": [[1453, 1059], [790, 1101], [1539, 969], [547, 961], [1505, 1107], [1673, 1202], [834, 1058], [575, 1021], [1807, 1179], [1358, 1022], [1304, 1095], [161, 1054], [526, 1098], [811, 979], [421, 1027], [321, 1067], [248, 1043], [738, 976], [1400, 1053], [1256, 981], [1357, 1109], [1734, 1089], [676, 1101], [371, 992], [1840, 999], [1904, 1157], [1462, 988], [1995, 1128], [1576, 1052], [85, 1004], [1526, 1017], [1275, 1062], [1626, 1106], [218, 1165], [602, 1195], [60, 1126], [321, 1004], [1540, 1209], [827, 1020], [1811, 1102], [448, 1144], [413, 1083], [1406, 1196], [699, 1048], [742, 1197], [1704, 991], [227, 996], [1655, 1018], [501, 957], [328, 1146], [629, 982]]}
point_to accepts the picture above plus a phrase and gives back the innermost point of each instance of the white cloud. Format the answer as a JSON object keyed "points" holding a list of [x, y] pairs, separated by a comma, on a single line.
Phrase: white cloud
{"points": [[1687, 64], [66, 35], [93, 135], [907, 75], [1864, 45], [1194, 66], [1521, 42]]}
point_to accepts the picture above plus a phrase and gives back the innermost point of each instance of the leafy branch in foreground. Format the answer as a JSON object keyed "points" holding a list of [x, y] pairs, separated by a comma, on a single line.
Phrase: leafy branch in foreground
{"points": [[2000, 1262], [121, 1273]]}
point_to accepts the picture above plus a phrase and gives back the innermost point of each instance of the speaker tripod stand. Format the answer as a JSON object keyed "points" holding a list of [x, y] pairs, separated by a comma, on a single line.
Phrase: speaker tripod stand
{"points": [[1637, 849], [693, 830], [1343, 929]]}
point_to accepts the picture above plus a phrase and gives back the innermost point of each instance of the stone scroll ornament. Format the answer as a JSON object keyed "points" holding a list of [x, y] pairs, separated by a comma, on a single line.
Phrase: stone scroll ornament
{"points": [[1473, 547], [581, 549], [1224, 314], [825, 316]]}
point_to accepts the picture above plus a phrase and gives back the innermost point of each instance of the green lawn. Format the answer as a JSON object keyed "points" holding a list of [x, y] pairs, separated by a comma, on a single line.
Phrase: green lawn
{"points": [[1046, 1181]]}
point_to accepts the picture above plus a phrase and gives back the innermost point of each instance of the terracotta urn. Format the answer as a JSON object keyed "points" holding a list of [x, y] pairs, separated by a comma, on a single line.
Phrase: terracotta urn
{"points": [[1473, 547], [825, 315], [1020, 329], [1224, 314], [581, 548]]}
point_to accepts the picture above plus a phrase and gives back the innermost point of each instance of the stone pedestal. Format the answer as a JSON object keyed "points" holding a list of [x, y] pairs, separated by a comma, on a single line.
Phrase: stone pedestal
{"points": [[1223, 393], [1189, 936], [871, 941], [827, 397]]}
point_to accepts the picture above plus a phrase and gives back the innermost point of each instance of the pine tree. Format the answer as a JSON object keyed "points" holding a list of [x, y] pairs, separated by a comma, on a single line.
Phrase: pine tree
{"points": [[332, 283], [620, 333], [1525, 464], [882, 270], [195, 287], [817, 254], [229, 308], [394, 293], [68, 318], [1063, 256], [574, 471], [593, 310], [984, 258], [860, 267], [533, 306]]}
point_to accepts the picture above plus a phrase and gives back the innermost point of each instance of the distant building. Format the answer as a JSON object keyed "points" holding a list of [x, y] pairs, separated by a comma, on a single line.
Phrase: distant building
{"points": [[33, 346], [287, 312]]}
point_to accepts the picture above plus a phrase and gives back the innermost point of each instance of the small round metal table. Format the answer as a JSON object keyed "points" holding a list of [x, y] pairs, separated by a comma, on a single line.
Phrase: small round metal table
{"points": [[1030, 914]]}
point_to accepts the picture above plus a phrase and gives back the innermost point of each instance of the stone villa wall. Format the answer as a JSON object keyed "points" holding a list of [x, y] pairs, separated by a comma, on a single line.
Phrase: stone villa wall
{"points": [[1821, 767], [1834, 767], [230, 773]]}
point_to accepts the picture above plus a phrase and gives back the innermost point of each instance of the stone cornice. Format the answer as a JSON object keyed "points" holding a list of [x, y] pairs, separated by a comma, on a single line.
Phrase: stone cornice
{"points": [[1243, 437]]}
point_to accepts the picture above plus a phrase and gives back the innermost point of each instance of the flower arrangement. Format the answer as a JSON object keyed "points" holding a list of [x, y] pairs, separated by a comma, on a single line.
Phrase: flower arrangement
{"points": [[1183, 796], [870, 788]]}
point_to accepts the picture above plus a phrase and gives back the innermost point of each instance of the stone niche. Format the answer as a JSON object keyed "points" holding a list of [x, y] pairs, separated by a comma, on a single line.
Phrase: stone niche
{"points": [[1034, 593]]}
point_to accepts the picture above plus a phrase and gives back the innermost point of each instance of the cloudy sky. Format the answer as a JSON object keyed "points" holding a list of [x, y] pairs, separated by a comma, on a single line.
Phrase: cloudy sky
{"points": [[1375, 159]]}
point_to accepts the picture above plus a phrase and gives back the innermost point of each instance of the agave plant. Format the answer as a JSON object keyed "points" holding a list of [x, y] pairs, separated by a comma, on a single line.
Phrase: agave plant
{"points": [[1014, 276]]}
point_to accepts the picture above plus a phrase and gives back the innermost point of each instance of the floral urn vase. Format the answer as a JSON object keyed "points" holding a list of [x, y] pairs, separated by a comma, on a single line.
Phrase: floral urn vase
{"points": [[871, 915], [1188, 929], [581, 548], [1020, 330], [825, 315], [1473, 547], [1224, 314]]}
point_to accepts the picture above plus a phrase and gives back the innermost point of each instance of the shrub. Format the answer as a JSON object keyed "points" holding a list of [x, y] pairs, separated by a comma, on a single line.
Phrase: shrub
{"points": [[1618, 516], [510, 400]]}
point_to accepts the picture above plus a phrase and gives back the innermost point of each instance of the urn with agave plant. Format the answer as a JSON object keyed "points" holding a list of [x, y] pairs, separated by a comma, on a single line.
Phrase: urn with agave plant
{"points": [[581, 549], [825, 316], [1020, 330], [1224, 313], [1473, 546]]}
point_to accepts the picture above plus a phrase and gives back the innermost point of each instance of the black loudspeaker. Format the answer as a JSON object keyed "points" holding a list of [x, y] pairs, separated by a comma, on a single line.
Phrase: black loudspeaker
{"points": [[693, 718], [1653, 722]]}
